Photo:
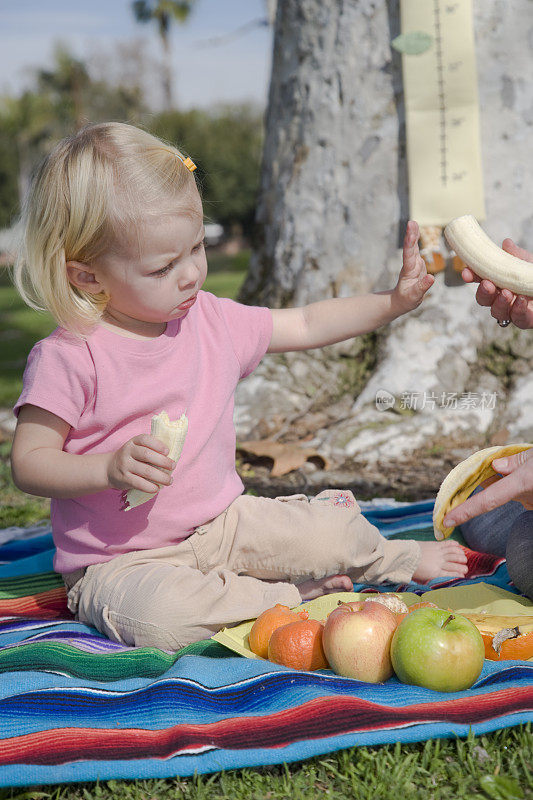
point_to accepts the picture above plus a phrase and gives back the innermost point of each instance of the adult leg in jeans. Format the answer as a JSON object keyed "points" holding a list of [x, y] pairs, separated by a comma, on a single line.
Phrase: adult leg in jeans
{"points": [[520, 553], [506, 531]]}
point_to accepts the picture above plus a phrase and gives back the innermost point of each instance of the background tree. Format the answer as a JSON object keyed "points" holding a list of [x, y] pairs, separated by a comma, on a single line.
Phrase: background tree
{"points": [[333, 204], [9, 192], [66, 86], [333, 198], [163, 12], [63, 99], [226, 144], [328, 207]]}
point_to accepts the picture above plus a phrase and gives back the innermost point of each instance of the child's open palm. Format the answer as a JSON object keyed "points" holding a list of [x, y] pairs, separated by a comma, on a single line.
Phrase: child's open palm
{"points": [[414, 280]]}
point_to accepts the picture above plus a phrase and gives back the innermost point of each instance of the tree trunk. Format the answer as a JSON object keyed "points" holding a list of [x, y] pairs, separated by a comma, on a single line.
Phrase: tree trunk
{"points": [[166, 73], [332, 210], [329, 208], [333, 201]]}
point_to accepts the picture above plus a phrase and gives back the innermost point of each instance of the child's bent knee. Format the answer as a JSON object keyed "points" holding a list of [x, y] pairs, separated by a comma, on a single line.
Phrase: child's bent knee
{"points": [[150, 631]]}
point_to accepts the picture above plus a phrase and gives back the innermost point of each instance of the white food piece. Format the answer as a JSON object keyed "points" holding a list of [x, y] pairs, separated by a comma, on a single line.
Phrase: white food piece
{"points": [[486, 259], [392, 601], [171, 433]]}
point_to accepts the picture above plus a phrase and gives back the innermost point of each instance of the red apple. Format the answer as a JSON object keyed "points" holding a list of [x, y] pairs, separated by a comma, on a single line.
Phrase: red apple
{"points": [[356, 640], [438, 650]]}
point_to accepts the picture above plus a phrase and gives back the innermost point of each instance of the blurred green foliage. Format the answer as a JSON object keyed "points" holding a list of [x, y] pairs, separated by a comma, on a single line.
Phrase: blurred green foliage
{"points": [[226, 146], [225, 142]]}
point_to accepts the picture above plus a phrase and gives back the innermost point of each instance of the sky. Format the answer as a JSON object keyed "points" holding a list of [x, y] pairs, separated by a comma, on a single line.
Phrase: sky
{"points": [[211, 65]]}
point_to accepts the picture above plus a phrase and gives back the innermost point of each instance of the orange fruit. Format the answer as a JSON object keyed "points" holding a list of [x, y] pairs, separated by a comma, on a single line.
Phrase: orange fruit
{"points": [[298, 645], [519, 648], [422, 604], [267, 622]]}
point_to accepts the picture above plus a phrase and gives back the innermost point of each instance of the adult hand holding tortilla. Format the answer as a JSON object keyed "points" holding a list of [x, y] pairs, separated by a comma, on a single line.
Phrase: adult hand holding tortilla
{"points": [[498, 518], [516, 484]]}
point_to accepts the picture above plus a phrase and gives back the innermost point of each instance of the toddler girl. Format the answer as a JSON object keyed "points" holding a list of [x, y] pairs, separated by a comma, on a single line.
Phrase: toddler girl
{"points": [[113, 248]]}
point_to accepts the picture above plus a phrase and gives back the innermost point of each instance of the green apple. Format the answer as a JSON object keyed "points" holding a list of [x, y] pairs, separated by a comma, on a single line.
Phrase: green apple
{"points": [[438, 650]]}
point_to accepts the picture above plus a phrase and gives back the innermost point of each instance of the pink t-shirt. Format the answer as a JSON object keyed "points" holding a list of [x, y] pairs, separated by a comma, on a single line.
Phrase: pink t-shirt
{"points": [[108, 388]]}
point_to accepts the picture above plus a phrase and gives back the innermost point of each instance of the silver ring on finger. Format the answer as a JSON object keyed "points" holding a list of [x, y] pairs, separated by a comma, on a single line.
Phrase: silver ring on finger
{"points": [[503, 323]]}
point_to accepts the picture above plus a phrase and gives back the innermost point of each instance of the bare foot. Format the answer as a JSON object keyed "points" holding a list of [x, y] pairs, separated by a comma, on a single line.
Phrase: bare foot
{"points": [[332, 583], [438, 559]]}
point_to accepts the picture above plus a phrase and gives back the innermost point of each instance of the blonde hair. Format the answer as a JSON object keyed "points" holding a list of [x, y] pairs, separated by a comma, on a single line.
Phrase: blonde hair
{"points": [[84, 193]]}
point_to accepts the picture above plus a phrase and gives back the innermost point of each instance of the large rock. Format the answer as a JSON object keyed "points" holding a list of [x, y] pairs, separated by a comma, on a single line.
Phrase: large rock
{"points": [[430, 351], [519, 412], [441, 374]]}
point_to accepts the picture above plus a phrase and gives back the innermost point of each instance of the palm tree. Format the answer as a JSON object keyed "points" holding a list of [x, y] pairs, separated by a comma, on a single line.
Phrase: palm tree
{"points": [[66, 84], [163, 12]]}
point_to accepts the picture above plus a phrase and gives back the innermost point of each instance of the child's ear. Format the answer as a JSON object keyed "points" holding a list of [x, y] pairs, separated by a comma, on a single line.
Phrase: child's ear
{"points": [[81, 276]]}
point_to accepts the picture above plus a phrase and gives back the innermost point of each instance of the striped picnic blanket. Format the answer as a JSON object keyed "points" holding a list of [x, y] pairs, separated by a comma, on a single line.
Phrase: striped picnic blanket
{"points": [[75, 706]]}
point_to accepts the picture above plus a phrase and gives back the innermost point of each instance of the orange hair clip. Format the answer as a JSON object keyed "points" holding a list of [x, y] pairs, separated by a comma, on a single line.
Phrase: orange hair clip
{"points": [[187, 162]]}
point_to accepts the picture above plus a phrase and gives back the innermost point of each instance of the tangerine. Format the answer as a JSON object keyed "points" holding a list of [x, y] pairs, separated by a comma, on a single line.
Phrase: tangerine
{"points": [[421, 604], [519, 648], [298, 645], [267, 622]]}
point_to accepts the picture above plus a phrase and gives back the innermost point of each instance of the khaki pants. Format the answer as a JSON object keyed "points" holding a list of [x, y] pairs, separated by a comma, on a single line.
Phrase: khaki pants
{"points": [[244, 561]]}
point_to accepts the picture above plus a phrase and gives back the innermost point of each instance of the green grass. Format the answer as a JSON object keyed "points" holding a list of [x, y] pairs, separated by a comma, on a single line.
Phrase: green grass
{"points": [[496, 766], [20, 328], [224, 284], [226, 273], [18, 508]]}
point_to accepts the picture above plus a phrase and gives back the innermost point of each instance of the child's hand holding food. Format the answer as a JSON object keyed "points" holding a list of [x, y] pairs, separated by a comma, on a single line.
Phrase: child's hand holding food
{"points": [[141, 463]]}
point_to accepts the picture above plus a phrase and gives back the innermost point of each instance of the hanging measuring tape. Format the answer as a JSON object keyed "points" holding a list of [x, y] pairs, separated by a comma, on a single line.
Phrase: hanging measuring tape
{"points": [[442, 118]]}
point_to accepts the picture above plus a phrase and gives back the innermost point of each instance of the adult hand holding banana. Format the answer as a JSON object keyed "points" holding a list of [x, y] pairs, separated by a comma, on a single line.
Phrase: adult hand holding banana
{"points": [[505, 275]]}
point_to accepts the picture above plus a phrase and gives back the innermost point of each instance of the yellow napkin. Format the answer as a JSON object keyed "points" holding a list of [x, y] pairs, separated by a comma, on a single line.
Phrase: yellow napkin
{"points": [[475, 598]]}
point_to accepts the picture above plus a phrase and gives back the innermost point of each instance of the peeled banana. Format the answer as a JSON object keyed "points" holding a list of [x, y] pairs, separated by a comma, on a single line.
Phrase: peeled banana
{"points": [[463, 479], [494, 623], [173, 435], [497, 630], [486, 259]]}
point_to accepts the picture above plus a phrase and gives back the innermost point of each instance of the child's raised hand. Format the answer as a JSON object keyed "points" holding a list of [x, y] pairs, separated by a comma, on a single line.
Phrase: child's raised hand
{"points": [[141, 463], [414, 280]]}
